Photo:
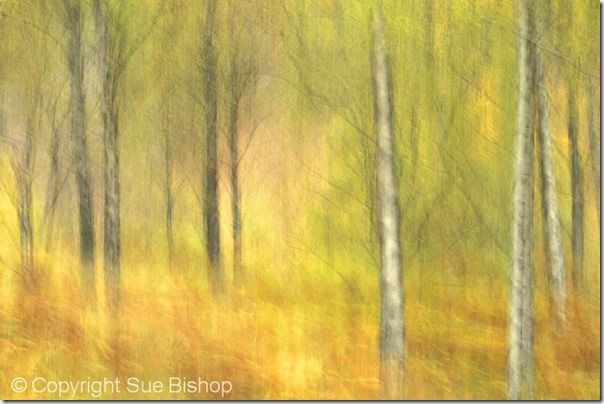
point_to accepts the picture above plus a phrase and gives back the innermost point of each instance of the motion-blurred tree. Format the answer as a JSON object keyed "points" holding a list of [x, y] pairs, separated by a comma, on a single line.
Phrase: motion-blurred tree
{"points": [[243, 48], [549, 201], [110, 65], [392, 334], [72, 18], [210, 197], [576, 180], [521, 365]]}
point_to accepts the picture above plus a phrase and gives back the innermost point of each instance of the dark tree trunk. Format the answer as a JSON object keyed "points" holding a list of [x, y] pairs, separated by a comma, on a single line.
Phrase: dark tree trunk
{"points": [[168, 191], [238, 274], [25, 204], [80, 150], [52, 193], [594, 143], [576, 191], [210, 200]]}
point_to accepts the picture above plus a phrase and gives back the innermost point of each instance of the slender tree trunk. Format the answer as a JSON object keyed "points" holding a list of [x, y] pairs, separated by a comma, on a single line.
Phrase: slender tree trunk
{"points": [[549, 205], [52, 193], [238, 275], [521, 351], [391, 282], [2, 123], [594, 143], [80, 150], [168, 191], [576, 190], [111, 240], [210, 200], [25, 204], [429, 38]]}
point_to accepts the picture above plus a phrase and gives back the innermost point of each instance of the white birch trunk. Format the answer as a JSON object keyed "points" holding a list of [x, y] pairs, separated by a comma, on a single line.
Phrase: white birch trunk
{"points": [[391, 322], [521, 356], [551, 212]]}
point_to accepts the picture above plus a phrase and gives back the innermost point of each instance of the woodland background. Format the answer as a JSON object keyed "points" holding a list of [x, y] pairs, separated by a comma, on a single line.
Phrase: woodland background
{"points": [[295, 313]]}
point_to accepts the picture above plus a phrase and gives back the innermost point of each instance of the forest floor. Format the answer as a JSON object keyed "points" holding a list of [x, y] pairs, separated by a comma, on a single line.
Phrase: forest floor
{"points": [[290, 336]]}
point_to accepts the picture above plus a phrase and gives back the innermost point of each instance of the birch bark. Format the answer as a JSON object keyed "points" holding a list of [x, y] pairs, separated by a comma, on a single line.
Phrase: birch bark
{"points": [[391, 282]]}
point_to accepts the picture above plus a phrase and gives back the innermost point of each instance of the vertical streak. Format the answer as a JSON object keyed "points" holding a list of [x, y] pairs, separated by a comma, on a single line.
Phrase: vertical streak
{"points": [[576, 190], [210, 200], [110, 113], [391, 282], [80, 149], [520, 310], [551, 213]]}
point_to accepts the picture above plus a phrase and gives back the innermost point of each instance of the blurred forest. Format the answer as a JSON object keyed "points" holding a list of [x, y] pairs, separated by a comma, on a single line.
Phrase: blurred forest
{"points": [[317, 199]]}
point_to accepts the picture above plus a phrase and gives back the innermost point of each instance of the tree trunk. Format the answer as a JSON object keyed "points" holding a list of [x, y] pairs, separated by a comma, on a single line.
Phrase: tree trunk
{"points": [[549, 205], [111, 240], [594, 143], [80, 150], [168, 190], [2, 128], [236, 198], [521, 351], [429, 39], [53, 189], [391, 323], [576, 190], [210, 200], [25, 204]]}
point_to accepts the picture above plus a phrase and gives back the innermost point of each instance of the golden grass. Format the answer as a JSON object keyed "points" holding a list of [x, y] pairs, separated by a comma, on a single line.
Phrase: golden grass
{"points": [[287, 336]]}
